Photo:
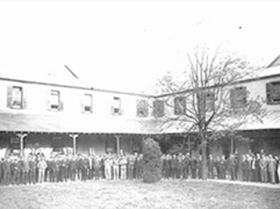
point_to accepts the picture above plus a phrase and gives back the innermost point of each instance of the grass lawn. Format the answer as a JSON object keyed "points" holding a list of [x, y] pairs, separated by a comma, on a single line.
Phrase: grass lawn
{"points": [[135, 194]]}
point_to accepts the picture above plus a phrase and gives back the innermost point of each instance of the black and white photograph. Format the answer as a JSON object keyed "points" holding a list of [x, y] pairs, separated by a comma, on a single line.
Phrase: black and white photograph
{"points": [[135, 104]]}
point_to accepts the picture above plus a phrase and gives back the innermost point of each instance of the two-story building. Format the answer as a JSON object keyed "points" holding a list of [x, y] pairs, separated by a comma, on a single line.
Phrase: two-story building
{"points": [[58, 112], [53, 114]]}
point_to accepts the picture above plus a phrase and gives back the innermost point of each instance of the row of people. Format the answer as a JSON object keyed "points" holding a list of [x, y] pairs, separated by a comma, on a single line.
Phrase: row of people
{"points": [[61, 168], [247, 167]]}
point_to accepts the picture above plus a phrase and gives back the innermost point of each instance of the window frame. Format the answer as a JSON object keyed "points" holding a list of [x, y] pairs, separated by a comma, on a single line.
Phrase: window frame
{"points": [[235, 102], [158, 112], [183, 108], [114, 108], [270, 93], [12, 105], [53, 106], [142, 108], [84, 106]]}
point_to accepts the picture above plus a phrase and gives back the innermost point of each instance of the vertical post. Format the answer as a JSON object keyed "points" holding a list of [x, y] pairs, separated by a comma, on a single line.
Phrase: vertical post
{"points": [[74, 137], [21, 136], [118, 144]]}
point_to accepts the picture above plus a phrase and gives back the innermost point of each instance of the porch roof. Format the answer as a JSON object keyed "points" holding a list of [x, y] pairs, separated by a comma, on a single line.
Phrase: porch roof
{"points": [[85, 124]]}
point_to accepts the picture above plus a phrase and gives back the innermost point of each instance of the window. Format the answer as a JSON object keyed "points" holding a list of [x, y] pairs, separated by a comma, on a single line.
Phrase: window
{"points": [[87, 103], [209, 99], [57, 144], [16, 98], [238, 97], [14, 143], [273, 93], [110, 145], [142, 108], [116, 106], [158, 108], [54, 102], [179, 105]]}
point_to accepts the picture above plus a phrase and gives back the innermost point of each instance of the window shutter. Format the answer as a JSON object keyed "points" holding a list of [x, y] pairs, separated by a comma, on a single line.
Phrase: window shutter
{"points": [[179, 105], [48, 100], [244, 96], [158, 108], [9, 96], [232, 98], [112, 110], [210, 102], [268, 93], [24, 98], [61, 105], [91, 104], [82, 103]]}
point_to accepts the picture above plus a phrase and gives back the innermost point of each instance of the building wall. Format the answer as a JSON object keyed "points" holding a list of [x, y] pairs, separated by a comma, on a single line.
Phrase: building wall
{"points": [[36, 97]]}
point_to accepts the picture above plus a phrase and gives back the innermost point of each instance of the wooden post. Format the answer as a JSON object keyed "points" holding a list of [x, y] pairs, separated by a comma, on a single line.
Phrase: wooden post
{"points": [[118, 144], [21, 136], [74, 138]]}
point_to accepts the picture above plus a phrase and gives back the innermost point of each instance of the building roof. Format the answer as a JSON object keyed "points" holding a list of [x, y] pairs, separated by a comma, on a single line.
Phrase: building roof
{"points": [[275, 62], [86, 124], [58, 74]]}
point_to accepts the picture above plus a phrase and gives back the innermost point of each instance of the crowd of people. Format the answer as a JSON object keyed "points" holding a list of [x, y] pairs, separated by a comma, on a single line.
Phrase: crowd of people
{"points": [[258, 167], [35, 168]]}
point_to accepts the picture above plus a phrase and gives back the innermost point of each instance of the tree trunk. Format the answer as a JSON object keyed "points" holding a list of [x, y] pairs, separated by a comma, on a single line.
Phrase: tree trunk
{"points": [[203, 153], [231, 145]]}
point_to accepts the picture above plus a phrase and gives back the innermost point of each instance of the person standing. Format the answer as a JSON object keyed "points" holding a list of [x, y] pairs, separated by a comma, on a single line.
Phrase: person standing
{"points": [[180, 166], [174, 166], [231, 167], [199, 167], [97, 167], [123, 164], [131, 166], [6, 170], [263, 166], [139, 166], [1, 171], [108, 168], [271, 168], [258, 168], [217, 165], [277, 168], [223, 168], [186, 166], [193, 165], [116, 165], [210, 166], [42, 165]]}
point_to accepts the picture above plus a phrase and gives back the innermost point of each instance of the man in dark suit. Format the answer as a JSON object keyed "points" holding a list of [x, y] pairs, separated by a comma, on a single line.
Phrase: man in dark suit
{"points": [[231, 166]]}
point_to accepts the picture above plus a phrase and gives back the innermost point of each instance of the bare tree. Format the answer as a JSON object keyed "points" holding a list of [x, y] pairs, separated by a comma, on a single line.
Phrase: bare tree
{"points": [[207, 98]]}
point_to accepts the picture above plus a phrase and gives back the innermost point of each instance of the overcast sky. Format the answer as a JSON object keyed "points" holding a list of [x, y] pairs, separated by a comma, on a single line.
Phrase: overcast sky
{"points": [[125, 45]]}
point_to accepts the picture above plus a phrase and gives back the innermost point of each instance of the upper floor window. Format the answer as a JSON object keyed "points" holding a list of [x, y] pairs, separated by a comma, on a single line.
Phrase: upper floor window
{"points": [[54, 101], [158, 108], [87, 103], [238, 97], [209, 101], [16, 97], [142, 108], [116, 106], [180, 105], [273, 93]]}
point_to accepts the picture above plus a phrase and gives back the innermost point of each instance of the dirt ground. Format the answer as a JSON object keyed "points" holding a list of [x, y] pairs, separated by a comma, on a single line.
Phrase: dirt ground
{"points": [[135, 194]]}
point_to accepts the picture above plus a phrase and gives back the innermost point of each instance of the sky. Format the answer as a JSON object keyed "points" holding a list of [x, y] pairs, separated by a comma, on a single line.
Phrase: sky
{"points": [[127, 45]]}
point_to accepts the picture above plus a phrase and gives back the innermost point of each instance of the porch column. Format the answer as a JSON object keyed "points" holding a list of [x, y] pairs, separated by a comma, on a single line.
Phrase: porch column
{"points": [[118, 144], [21, 137], [74, 138]]}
